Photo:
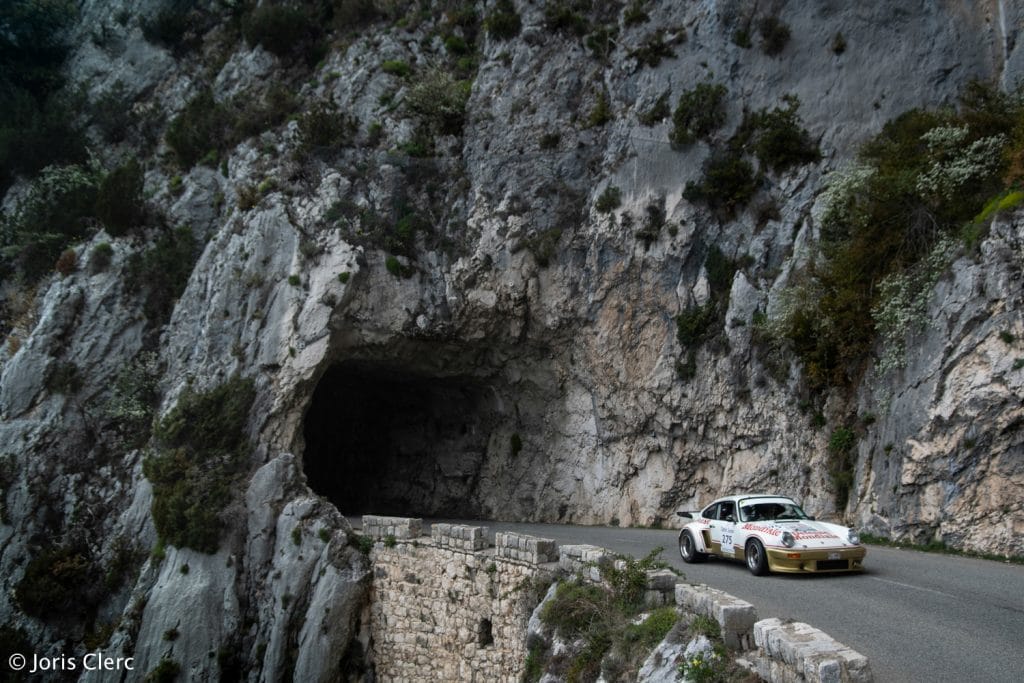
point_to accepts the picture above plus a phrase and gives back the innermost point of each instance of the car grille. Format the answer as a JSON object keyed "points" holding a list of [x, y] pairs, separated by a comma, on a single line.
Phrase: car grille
{"points": [[833, 564]]}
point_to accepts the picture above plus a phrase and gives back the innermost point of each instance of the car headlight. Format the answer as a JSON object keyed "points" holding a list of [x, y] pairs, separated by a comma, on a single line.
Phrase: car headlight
{"points": [[853, 537], [788, 540]]}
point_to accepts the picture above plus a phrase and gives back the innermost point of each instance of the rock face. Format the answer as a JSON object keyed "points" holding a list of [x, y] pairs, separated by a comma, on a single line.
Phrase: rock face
{"points": [[516, 360]]}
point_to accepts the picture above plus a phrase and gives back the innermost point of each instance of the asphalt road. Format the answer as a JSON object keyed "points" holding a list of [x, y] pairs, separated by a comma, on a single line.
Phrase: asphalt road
{"points": [[916, 616]]}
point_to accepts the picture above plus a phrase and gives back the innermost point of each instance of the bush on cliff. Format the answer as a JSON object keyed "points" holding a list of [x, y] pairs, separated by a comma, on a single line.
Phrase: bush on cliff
{"points": [[883, 225], [199, 457]]}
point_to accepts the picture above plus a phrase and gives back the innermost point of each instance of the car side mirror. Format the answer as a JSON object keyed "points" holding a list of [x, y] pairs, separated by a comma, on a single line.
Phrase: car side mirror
{"points": [[730, 518]]}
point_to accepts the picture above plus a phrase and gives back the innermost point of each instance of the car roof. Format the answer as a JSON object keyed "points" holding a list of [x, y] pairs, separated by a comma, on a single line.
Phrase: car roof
{"points": [[748, 496]]}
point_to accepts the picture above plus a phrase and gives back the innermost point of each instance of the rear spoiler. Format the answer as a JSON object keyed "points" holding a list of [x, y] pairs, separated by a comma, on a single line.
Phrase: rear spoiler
{"points": [[688, 514]]}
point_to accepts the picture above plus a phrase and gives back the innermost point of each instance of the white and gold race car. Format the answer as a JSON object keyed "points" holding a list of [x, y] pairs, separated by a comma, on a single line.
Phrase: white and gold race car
{"points": [[771, 534]]}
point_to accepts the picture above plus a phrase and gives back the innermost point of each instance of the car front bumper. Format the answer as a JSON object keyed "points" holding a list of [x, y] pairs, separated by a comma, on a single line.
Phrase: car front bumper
{"points": [[796, 560]]}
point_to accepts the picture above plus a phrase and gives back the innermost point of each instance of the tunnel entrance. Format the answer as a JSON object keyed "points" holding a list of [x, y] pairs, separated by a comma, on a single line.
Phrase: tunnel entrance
{"points": [[380, 439]]}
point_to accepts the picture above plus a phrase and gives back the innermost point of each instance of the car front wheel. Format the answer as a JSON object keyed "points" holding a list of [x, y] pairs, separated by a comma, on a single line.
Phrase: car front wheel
{"points": [[688, 548], [757, 559]]}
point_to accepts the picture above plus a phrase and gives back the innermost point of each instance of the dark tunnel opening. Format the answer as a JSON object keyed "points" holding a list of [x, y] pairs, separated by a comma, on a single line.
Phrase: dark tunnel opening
{"points": [[383, 440]]}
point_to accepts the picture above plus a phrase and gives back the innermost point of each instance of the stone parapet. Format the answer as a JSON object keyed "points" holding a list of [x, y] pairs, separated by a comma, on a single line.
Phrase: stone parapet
{"points": [[459, 536], [661, 586], [735, 617], [523, 548], [798, 652], [378, 527], [583, 559]]}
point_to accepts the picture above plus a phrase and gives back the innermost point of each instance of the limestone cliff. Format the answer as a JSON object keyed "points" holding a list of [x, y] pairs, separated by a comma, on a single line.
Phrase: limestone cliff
{"points": [[440, 319]]}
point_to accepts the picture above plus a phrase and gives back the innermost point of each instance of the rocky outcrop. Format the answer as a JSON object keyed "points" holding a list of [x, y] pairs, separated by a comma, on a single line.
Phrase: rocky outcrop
{"points": [[548, 325]]}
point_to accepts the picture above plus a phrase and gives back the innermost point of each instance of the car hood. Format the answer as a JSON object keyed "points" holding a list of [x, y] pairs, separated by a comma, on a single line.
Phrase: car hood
{"points": [[807, 533]]}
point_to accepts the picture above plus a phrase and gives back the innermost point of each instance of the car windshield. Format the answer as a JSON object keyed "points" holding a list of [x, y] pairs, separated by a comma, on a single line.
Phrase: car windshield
{"points": [[778, 509]]}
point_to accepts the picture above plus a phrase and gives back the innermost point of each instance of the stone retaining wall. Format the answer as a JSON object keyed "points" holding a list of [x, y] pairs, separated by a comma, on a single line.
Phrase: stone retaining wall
{"points": [[449, 607], [378, 527], [525, 548], [459, 537], [446, 608], [735, 617], [791, 652]]}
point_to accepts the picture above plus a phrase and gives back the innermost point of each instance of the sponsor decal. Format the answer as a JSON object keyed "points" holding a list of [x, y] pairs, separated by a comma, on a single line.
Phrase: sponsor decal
{"points": [[771, 531], [813, 535]]}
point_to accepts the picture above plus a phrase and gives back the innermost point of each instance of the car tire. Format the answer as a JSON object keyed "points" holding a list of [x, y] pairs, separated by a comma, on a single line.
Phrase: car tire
{"points": [[688, 548], [756, 557]]}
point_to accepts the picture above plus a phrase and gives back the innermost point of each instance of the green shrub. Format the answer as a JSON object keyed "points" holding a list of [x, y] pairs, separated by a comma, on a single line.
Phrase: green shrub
{"points": [[544, 245], [550, 140], [325, 129], [635, 13], [439, 100], [54, 212], [779, 141], [654, 628], [609, 200], [841, 464], [838, 46], [393, 265], [695, 324], [396, 67], [775, 35], [201, 126], [363, 543], [59, 582], [729, 182], [601, 113], [352, 14], [119, 199], [567, 16], [658, 112], [741, 38], [112, 114], [64, 378], [700, 323], [700, 112], [654, 49], [249, 114], [456, 45], [170, 23], [167, 671], [100, 257], [37, 126], [161, 272], [503, 22], [602, 42], [598, 617], [200, 455], [285, 30]]}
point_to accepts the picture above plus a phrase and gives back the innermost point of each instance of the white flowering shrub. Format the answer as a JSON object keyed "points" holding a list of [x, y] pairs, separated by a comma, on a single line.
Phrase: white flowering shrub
{"points": [[957, 163], [902, 306]]}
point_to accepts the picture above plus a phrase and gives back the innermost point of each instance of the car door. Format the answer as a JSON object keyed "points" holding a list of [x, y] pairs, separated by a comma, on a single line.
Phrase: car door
{"points": [[723, 528]]}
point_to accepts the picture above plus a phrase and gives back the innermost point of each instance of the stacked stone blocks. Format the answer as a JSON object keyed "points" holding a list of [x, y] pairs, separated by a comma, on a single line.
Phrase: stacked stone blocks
{"points": [[794, 651], [735, 617], [523, 548], [459, 536], [399, 528]]}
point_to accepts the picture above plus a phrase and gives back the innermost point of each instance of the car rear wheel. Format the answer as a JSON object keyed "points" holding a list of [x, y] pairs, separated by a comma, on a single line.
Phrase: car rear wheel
{"points": [[757, 559], [688, 548]]}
